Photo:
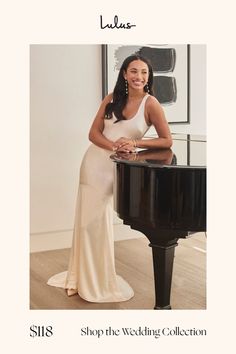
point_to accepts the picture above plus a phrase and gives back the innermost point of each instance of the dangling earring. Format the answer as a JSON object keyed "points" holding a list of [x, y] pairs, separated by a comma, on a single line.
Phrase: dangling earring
{"points": [[126, 88], [147, 88]]}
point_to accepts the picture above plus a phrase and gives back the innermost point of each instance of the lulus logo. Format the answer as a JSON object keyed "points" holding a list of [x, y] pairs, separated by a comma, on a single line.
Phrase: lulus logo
{"points": [[115, 24]]}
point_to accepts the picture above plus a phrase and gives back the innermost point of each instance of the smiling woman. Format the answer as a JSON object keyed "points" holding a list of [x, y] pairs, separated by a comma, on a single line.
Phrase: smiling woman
{"points": [[172, 74], [137, 74], [135, 81], [120, 124]]}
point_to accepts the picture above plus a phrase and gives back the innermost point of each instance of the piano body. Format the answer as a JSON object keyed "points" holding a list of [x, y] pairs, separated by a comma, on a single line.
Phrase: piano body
{"points": [[162, 193]]}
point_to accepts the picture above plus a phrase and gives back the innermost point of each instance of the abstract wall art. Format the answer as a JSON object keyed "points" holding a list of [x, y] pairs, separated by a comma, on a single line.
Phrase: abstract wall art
{"points": [[171, 69]]}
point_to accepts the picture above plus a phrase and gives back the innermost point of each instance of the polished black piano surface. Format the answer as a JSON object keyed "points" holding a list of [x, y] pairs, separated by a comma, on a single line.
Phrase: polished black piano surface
{"points": [[162, 193]]}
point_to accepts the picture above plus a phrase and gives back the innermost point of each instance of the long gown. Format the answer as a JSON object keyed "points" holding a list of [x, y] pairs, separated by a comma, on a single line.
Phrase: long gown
{"points": [[91, 272]]}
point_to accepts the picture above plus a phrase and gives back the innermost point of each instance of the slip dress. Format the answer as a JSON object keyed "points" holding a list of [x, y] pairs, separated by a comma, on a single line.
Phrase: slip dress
{"points": [[91, 271]]}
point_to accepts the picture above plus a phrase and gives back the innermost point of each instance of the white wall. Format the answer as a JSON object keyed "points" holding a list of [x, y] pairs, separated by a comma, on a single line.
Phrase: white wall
{"points": [[197, 94], [65, 95], [66, 90]]}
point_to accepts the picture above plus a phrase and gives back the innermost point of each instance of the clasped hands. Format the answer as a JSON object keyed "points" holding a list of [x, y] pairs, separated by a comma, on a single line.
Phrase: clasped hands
{"points": [[124, 145]]}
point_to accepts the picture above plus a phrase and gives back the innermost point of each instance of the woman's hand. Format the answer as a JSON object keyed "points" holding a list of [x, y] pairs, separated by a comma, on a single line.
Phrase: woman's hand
{"points": [[124, 145], [158, 156]]}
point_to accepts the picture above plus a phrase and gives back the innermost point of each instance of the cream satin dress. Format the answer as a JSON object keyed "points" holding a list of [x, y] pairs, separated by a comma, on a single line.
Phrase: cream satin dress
{"points": [[91, 272]]}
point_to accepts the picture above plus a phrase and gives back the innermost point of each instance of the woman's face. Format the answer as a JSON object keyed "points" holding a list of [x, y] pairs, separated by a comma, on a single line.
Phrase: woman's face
{"points": [[137, 74]]}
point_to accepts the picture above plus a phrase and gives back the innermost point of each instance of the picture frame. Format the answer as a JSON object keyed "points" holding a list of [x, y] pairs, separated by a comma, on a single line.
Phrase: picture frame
{"points": [[171, 75]]}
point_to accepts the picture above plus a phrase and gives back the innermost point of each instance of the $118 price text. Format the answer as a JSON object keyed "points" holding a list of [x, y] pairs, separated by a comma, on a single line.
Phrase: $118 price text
{"points": [[41, 331]]}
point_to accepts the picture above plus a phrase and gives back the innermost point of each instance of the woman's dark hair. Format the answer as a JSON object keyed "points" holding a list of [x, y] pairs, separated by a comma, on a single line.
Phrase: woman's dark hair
{"points": [[119, 95]]}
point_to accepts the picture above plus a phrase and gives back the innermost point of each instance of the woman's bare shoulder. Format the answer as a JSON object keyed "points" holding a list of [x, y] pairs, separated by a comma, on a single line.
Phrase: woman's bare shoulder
{"points": [[153, 105], [108, 98], [152, 101]]}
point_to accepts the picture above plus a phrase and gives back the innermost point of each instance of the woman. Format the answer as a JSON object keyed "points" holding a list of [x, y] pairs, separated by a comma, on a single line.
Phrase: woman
{"points": [[120, 123]]}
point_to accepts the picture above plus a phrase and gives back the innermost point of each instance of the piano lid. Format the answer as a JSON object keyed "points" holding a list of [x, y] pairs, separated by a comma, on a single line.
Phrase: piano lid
{"points": [[187, 151]]}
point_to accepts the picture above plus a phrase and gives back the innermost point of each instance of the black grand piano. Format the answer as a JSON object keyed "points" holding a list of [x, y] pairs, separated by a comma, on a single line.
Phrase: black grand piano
{"points": [[162, 193]]}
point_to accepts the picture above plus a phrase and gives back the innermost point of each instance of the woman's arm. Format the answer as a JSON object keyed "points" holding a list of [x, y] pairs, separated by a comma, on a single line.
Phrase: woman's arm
{"points": [[156, 117], [95, 134]]}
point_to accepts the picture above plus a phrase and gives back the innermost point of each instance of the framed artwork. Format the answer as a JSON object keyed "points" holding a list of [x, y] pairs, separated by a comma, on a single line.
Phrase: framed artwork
{"points": [[171, 71]]}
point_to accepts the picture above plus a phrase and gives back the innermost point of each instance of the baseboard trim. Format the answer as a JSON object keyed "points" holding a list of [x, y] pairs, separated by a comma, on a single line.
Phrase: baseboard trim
{"points": [[62, 239]]}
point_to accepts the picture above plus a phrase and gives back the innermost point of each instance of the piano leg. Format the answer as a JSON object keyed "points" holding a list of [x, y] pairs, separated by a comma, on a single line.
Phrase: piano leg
{"points": [[163, 258]]}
